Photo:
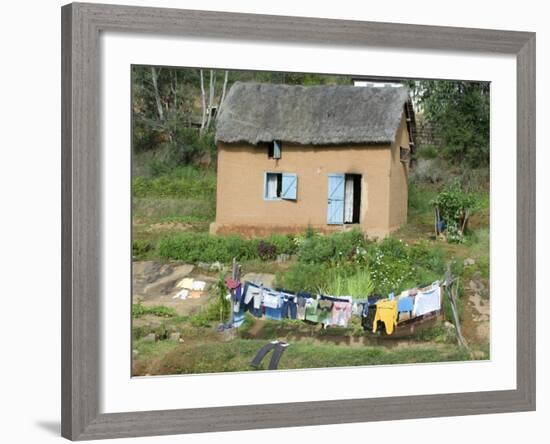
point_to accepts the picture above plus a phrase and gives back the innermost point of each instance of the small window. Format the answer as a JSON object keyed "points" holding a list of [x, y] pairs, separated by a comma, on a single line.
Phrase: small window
{"points": [[404, 154], [273, 185], [274, 149], [280, 186]]}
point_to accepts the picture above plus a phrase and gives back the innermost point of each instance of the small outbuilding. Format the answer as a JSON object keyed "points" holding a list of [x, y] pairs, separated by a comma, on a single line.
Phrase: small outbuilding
{"points": [[329, 157]]}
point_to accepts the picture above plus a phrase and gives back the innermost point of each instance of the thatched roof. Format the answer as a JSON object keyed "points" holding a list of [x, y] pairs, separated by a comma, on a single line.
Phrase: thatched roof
{"points": [[311, 115]]}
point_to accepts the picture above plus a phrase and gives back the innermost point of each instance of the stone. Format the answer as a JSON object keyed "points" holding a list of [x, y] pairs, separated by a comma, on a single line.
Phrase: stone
{"points": [[204, 266], [175, 336], [469, 262], [150, 338], [282, 258], [265, 279], [216, 266], [478, 354], [154, 323], [448, 326]]}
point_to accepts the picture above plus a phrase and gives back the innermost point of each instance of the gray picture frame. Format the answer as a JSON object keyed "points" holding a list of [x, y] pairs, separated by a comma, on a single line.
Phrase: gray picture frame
{"points": [[81, 171]]}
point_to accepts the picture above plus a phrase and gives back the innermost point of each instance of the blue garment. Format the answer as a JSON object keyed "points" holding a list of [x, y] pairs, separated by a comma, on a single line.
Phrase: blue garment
{"points": [[274, 313], [238, 317], [289, 308], [405, 304], [238, 293]]}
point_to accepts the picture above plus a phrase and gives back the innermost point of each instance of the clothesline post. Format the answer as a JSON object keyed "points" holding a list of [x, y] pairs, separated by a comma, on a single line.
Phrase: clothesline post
{"points": [[235, 275], [450, 289]]}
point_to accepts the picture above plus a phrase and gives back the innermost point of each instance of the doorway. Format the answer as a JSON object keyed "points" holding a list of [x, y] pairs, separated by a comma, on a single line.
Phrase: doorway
{"points": [[352, 199]]}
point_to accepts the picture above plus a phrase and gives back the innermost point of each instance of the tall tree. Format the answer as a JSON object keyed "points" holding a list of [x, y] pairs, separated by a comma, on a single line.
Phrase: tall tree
{"points": [[460, 113]]}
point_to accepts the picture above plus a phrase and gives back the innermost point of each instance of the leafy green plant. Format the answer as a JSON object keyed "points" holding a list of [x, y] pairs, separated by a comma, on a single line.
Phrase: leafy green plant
{"points": [[427, 152], [203, 247], [358, 284], [302, 277], [140, 248], [455, 207], [317, 249], [223, 304], [162, 311], [390, 266]]}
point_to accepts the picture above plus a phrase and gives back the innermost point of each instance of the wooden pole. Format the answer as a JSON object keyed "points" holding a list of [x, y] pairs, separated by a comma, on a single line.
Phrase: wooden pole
{"points": [[233, 276], [449, 286]]}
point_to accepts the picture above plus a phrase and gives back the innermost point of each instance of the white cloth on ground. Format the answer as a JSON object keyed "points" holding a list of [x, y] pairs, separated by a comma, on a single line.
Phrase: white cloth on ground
{"points": [[182, 294], [186, 283], [198, 285]]}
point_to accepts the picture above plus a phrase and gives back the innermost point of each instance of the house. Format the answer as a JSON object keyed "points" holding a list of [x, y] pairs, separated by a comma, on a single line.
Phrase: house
{"points": [[331, 157]]}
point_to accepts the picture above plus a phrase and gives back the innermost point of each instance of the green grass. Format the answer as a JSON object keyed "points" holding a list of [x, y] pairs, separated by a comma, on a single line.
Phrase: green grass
{"points": [[208, 357], [139, 310], [171, 209], [181, 182]]}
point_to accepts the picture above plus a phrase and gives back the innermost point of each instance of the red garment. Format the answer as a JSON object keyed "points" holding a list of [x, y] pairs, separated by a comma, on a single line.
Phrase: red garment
{"points": [[232, 284]]}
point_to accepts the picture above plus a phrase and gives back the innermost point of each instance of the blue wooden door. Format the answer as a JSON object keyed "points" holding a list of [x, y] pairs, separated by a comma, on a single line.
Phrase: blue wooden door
{"points": [[335, 208]]}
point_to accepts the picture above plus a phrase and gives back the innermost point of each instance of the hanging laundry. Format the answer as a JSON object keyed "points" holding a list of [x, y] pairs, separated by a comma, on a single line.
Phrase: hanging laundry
{"points": [[386, 312], [289, 307], [231, 284], [427, 300], [341, 313], [273, 302], [369, 314], [301, 300], [271, 299], [324, 311], [370, 305], [405, 304], [238, 318], [311, 310]]}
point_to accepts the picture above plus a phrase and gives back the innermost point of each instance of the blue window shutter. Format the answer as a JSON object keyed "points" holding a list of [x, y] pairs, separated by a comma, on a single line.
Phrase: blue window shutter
{"points": [[276, 149], [335, 207], [290, 182]]}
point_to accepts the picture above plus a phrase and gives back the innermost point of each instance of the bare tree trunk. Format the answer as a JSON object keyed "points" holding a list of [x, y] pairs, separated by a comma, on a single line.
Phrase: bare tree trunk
{"points": [[203, 104], [222, 98], [211, 91], [175, 90], [157, 95]]}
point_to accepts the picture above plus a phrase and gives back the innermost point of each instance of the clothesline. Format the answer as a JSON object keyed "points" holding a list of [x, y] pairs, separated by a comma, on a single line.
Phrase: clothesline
{"points": [[375, 311]]}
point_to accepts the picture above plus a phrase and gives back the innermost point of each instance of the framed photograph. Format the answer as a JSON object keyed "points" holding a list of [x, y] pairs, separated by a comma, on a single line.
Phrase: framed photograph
{"points": [[262, 215]]}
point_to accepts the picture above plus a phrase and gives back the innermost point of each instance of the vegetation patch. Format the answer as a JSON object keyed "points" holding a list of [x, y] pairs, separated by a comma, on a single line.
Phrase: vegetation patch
{"points": [[161, 311]]}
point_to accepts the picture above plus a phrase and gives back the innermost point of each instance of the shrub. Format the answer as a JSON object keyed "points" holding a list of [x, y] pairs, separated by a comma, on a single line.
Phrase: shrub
{"points": [[427, 152], [266, 251], [390, 266], [302, 277], [284, 244], [203, 247], [317, 249], [168, 181], [455, 207], [139, 310], [358, 284], [140, 248]]}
